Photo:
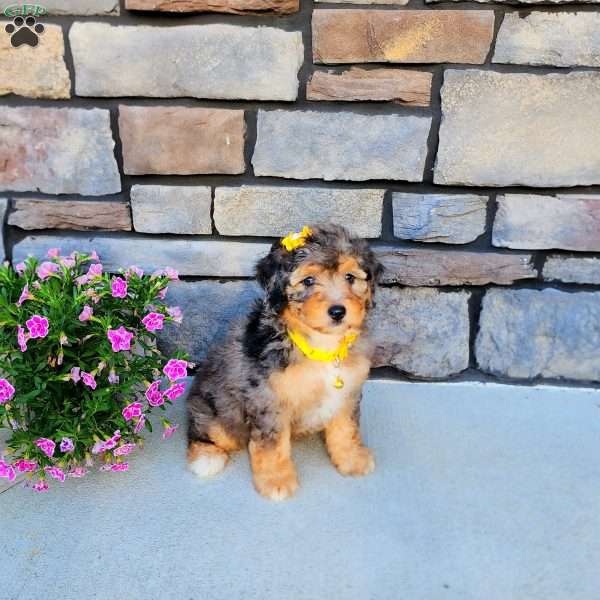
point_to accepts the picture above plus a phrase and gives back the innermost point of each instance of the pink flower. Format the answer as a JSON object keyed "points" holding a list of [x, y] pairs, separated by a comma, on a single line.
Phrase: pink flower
{"points": [[95, 271], [25, 466], [169, 431], [25, 295], [46, 446], [46, 269], [7, 391], [22, 338], [163, 293], [94, 255], [132, 411], [109, 444], [172, 274], [40, 486], [77, 472], [175, 369], [140, 424], [124, 450], [56, 473], [20, 268], [120, 339], [118, 287], [82, 280], [7, 471], [153, 321], [154, 395], [175, 313], [88, 379], [67, 262], [53, 252], [176, 390], [75, 374], [86, 313], [133, 270], [67, 445], [120, 467], [38, 326], [113, 377], [98, 447]]}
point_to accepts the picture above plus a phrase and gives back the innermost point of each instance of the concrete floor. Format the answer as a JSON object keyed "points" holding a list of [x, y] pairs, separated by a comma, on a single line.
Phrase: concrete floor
{"points": [[481, 492]]}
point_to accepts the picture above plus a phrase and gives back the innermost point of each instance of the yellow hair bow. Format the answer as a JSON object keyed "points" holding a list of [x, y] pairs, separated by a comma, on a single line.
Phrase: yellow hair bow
{"points": [[296, 240]]}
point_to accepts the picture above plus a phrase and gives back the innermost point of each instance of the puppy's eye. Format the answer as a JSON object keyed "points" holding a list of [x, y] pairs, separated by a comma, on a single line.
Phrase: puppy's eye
{"points": [[350, 278], [308, 281]]}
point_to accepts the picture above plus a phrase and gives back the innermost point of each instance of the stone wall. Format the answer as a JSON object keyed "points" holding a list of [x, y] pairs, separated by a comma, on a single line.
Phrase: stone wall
{"points": [[462, 139]]}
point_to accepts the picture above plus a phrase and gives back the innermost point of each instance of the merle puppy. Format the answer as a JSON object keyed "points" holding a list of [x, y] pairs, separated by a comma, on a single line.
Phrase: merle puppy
{"points": [[296, 364]]}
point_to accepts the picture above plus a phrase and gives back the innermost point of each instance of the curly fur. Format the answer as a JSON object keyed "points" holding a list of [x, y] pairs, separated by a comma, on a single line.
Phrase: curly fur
{"points": [[243, 391]]}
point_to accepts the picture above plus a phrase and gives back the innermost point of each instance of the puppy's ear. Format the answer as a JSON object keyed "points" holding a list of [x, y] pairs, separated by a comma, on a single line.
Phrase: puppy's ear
{"points": [[373, 268], [267, 267], [271, 274]]}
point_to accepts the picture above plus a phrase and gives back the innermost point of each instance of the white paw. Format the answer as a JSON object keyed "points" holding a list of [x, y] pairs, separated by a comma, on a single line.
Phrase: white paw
{"points": [[208, 465]]}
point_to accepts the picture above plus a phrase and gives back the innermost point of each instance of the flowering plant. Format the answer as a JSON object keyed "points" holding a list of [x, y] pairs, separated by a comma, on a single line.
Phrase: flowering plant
{"points": [[80, 372]]}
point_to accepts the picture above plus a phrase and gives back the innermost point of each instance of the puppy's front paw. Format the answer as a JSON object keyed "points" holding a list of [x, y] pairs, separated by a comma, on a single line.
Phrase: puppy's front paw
{"points": [[278, 486], [357, 462]]}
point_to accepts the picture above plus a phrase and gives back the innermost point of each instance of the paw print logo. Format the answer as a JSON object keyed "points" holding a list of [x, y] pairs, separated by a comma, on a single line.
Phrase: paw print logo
{"points": [[24, 31]]}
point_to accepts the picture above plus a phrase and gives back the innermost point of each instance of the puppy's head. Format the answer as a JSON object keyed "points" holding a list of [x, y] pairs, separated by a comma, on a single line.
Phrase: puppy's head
{"points": [[325, 285]]}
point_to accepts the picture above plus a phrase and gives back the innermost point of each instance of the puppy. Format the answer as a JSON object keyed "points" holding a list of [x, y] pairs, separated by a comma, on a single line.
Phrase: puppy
{"points": [[296, 365]]}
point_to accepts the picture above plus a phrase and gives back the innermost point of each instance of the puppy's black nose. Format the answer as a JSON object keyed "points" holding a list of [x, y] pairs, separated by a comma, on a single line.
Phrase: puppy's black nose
{"points": [[337, 312]]}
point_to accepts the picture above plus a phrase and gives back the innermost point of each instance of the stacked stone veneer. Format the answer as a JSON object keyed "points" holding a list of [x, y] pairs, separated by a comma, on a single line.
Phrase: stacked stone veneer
{"points": [[465, 142]]}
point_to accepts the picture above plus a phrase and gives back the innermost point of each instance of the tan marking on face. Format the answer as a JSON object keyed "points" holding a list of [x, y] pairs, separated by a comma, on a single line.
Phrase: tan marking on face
{"points": [[309, 305]]}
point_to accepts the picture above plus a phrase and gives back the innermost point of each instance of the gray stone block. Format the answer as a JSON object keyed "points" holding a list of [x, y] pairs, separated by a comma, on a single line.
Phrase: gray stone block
{"points": [[423, 267], [171, 209], [502, 129], [533, 222], [525, 2], [57, 151], [202, 61], [397, 2], [83, 8], [202, 258], [558, 39], [446, 218], [421, 332], [275, 211], [572, 270], [340, 145], [531, 333], [209, 310]]}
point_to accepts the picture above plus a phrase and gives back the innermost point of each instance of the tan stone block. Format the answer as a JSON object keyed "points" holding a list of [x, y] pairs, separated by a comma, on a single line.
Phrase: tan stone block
{"points": [[35, 72], [282, 7], [65, 214], [412, 88], [181, 141], [402, 36]]}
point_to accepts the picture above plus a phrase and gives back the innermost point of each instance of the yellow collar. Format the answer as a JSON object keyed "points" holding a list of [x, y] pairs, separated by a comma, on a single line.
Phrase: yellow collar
{"points": [[340, 353]]}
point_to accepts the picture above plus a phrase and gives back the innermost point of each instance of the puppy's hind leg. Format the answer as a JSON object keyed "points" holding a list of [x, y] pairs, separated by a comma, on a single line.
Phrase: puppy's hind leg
{"points": [[208, 455]]}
